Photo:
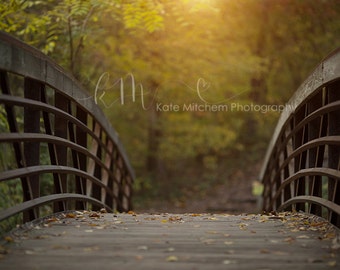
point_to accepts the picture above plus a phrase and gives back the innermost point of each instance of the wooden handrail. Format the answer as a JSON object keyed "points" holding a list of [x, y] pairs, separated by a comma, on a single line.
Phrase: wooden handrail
{"points": [[55, 129], [301, 170]]}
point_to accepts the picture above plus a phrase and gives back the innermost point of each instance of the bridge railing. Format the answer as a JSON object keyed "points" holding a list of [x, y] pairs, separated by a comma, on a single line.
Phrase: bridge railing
{"points": [[55, 142], [301, 170]]}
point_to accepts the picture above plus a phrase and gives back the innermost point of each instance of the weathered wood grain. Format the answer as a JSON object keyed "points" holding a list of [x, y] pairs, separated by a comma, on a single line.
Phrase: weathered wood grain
{"points": [[169, 241]]}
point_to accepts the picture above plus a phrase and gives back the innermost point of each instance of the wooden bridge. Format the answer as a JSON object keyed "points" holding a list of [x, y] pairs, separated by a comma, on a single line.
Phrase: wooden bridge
{"points": [[53, 132]]}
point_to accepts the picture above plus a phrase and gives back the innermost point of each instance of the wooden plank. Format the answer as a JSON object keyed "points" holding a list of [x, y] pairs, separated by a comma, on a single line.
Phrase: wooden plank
{"points": [[91, 240]]}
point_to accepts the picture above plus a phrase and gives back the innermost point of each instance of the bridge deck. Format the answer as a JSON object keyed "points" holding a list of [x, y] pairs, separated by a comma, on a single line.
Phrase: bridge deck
{"points": [[92, 240]]}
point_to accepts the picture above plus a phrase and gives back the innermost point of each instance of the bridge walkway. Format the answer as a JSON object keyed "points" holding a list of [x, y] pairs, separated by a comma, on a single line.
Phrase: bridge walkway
{"points": [[95, 240]]}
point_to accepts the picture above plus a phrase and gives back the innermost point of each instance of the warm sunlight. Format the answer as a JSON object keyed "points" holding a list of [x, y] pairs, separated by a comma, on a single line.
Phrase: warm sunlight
{"points": [[201, 2]]}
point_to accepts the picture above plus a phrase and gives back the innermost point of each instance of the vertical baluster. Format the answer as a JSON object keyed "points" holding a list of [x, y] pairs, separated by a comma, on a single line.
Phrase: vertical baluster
{"points": [[286, 191], [60, 130], [96, 190], [52, 150], [32, 90], [18, 150], [300, 138], [81, 139], [105, 174], [127, 202], [119, 176], [315, 181]]}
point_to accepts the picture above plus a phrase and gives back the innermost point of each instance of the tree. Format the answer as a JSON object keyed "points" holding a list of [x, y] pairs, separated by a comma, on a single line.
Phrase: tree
{"points": [[184, 53]]}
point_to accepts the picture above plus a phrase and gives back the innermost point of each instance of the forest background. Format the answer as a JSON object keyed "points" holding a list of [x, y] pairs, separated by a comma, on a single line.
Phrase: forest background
{"points": [[211, 77]]}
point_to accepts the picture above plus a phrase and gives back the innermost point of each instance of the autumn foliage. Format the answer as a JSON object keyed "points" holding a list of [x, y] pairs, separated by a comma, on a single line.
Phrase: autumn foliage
{"points": [[202, 73]]}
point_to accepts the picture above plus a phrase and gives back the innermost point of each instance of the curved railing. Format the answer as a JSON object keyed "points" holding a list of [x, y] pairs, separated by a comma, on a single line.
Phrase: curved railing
{"points": [[301, 170], [52, 131]]}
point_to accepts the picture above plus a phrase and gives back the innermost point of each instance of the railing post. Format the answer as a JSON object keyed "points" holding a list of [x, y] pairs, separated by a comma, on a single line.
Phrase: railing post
{"points": [[277, 181], [96, 190], [287, 190], [81, 139], [60, 127], [106, 198], [334, 151], [316, 129], [12, 123], [300, 160], [18, 150], [32, 90]]}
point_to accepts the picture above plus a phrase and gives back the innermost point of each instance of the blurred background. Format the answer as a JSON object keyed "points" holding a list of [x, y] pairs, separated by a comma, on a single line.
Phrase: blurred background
{"points": [[180, 55]]}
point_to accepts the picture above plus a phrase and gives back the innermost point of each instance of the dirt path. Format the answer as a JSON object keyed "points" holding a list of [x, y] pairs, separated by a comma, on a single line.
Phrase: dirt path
{"points": [[235, 197]]}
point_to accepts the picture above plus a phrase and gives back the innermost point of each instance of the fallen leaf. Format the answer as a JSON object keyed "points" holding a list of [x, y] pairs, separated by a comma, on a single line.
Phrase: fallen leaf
{"points": [[282, 253], [263, 219], [172, 259], [90, 249], [228, 242], [118, 222], [228, 262], [211, 232], [317, 224], [94, 215], [175, 218], [70, 215], [275, 217], [63, 247], [52, 219], [142, 248], [208, 241], [150, 218], [9, 239], [303, 237], [331, 263], [289, 240], [329, 235], [243, 226]]}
